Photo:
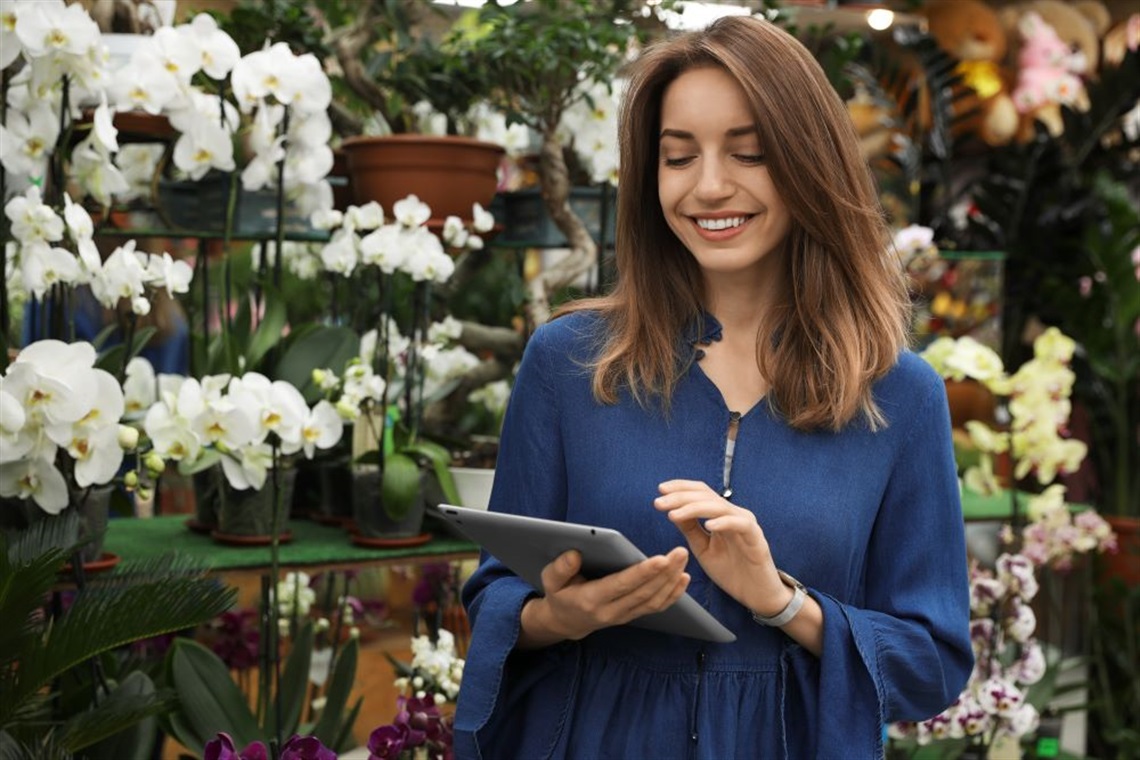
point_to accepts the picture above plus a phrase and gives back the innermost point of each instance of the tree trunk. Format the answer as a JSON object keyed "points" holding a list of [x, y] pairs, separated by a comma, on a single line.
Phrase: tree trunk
{"points": [[583, 256]]}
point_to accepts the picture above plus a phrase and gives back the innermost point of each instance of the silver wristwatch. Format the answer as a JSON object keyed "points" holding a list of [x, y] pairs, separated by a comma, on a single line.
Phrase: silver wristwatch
{"points": [[784, 616]]}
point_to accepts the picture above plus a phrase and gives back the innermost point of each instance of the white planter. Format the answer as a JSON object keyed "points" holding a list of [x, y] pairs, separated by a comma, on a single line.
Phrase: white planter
{"points": [[473, 485]]}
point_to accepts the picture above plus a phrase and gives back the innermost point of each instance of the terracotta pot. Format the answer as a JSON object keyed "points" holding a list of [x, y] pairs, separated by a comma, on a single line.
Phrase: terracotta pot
{"points": [[970, 400], [1125, 563], [447, 173]]}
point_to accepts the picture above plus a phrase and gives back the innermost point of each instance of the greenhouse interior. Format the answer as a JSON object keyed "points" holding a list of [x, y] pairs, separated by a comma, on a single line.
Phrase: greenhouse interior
{"points": [[280, 276]]}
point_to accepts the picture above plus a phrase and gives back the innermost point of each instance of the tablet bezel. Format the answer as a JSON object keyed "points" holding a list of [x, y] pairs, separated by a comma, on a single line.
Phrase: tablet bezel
{"points": [[528, 544]]}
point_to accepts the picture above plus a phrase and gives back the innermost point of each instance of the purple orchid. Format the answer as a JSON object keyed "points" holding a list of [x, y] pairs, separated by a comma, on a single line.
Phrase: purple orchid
{"points": [[306, 748]]}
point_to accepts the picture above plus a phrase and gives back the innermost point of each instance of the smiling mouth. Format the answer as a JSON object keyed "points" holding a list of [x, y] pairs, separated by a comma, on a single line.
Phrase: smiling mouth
{"points": [[715, 225]]}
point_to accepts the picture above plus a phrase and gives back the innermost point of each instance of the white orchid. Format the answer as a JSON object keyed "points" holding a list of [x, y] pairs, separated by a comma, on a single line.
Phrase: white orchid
{"points": [[53, 399], [203, 147], [411, 212], [32, 220], [218, 53], [322, 428], [146, 88], [384, 248], [174, 276], [10, 45], [50, 27], [28, 139], [95, 172], [140, 386], [250, 468], [43, 265]]}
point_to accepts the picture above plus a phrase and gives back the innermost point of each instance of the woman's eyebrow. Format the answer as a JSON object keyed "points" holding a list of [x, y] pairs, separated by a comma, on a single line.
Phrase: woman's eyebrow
{"points": [[680, 134]]}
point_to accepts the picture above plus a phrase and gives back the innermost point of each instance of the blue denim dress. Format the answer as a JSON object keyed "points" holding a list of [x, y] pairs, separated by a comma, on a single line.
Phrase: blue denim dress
{"points": [[869, 521]]}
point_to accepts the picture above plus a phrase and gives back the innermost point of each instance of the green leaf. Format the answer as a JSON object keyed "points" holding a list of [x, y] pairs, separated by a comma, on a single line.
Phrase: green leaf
{"points": [[440, 460], [268, 333], [320, 348], [328, 725], [101, 732], [401, 486], [209, 700], [344, 741], [207, 459], [294, 687]]}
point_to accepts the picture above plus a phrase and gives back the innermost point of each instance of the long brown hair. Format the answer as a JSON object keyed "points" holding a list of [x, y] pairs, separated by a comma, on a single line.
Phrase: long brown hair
{"points": [[846, 313]]}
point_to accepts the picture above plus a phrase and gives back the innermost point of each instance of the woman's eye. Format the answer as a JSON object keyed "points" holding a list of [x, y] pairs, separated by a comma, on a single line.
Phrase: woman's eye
{"points": [[750, 159], [677, 162]]}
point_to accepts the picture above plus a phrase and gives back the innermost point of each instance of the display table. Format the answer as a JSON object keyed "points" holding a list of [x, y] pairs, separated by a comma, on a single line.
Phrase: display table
{"points": [[996, 507], [314, 547]]}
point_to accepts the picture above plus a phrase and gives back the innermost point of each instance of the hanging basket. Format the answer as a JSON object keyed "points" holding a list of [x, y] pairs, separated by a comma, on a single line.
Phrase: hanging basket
{"points": [[450, 174]]}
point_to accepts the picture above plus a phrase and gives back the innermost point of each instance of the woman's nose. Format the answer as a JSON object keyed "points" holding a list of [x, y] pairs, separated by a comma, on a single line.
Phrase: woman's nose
{"points": [[713, 181]]}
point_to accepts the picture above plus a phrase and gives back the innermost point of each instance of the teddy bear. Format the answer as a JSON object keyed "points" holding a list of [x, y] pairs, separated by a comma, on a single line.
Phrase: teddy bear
{"points": [[972, 32], [1054, 47]]}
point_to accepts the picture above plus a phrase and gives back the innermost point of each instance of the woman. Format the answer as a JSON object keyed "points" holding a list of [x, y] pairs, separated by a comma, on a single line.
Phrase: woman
{"points": [[743, 408]]}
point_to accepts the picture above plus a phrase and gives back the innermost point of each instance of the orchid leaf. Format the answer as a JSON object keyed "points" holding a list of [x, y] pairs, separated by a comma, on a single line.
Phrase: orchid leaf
{"points": [[330, 724], [319, 348], [209, 699], [401, 486], [268, 332]]}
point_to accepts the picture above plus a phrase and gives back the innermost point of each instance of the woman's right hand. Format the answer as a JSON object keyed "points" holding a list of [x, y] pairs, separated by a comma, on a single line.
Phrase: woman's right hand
{"points": [[574, 607]]}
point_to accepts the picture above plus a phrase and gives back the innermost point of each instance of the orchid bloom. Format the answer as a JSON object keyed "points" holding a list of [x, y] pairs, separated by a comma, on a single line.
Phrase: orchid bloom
{"points": [[32, 219], [140, 386], [203, 147], [322, 428], [217, 50], [28, 138]]}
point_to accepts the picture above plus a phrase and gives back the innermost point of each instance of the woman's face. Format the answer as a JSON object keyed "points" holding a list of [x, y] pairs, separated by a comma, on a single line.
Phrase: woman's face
{"points": [[715, 190]]}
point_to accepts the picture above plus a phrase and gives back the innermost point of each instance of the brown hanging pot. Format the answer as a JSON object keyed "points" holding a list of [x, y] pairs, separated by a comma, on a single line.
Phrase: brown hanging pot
{"points": [[448, 173]]}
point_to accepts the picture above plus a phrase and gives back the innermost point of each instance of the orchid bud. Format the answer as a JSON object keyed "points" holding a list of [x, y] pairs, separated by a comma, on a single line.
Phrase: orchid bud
{"points": [[322, 624], [347, 410], [140, 306], [354, 632], [319, 703], [318, 376], [131, 480], [144, 494], [154, 463], [128, 437], [221, 447]]}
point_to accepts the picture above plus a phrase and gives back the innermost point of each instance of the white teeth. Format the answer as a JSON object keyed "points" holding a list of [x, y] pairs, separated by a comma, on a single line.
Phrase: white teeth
{"points": [[721, 224]]}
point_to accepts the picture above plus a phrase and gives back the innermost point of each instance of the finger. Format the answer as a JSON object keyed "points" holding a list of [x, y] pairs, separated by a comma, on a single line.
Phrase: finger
{"points": [[671, 486], [667, 594], [681, 498], [655, 587], [557, 574], [731, 524], [638, 582], [704, 509]]}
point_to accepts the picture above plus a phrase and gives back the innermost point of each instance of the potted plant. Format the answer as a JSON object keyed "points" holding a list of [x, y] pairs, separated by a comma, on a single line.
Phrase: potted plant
{"points": [[405, 362], [543, 58], [57, 694], [404, 77]]}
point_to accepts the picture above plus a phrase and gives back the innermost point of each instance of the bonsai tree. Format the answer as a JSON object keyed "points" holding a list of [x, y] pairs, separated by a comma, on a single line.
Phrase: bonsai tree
{"points": [[543, 56]]}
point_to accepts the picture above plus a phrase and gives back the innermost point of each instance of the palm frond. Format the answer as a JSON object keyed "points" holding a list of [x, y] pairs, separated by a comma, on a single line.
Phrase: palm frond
{"points": [[134, 700], [60, 533], [152, 598]]}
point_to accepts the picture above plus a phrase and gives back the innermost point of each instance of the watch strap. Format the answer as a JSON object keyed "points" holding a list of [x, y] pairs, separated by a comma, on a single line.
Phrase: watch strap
{"points": [[784, 616]]}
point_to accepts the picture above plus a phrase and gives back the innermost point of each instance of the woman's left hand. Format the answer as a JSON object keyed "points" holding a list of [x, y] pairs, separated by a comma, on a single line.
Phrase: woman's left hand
{"points": [[726, 540]]}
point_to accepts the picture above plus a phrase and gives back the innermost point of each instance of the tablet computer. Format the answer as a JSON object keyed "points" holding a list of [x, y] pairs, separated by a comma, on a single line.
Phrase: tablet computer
{"points": [[528, 544]]}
